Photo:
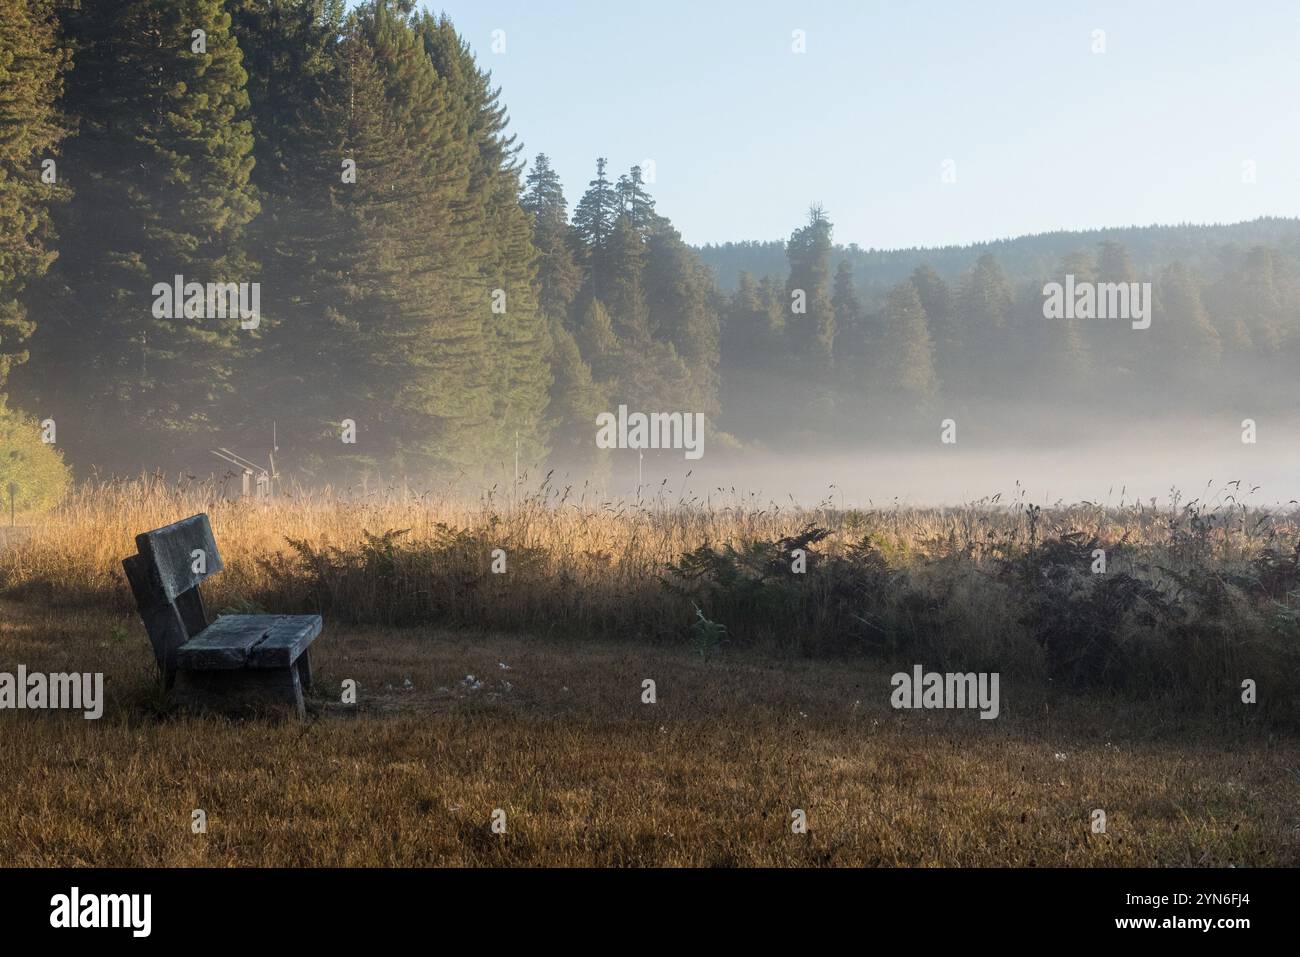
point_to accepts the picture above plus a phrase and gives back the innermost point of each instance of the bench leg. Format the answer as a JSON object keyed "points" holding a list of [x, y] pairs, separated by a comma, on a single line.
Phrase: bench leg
{"points": [[304, 670], [239, 690]]}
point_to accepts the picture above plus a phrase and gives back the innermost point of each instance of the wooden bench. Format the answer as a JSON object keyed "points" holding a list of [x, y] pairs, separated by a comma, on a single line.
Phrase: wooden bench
{"points": [[236, 662]]}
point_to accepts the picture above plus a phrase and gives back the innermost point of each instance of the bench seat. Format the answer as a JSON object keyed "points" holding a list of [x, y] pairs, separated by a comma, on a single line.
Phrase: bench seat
{"points": [[249, 641]]}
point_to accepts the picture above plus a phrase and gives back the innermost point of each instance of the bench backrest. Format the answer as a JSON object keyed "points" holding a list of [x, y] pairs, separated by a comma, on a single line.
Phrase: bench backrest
{"points": [[165, 577]]}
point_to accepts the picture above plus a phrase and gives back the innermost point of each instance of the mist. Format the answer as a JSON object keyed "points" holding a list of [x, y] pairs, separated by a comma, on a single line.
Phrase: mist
{"points": [[1108, 463]]}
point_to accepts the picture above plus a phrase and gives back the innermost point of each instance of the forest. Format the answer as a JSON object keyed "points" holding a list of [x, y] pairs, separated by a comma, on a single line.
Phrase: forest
{"points": [[429, 303]]}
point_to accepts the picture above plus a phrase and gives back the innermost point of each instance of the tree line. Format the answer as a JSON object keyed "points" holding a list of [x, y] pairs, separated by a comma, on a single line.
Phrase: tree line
{"points": [[416, 296], [1224, 331], [430, 304]]}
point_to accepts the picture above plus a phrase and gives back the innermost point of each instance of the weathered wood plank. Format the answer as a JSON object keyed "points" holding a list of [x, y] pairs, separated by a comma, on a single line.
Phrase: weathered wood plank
{"points": [[288, 638], [225, 643], [304, 670], [169, 551], [250, 641], [193, 616], [162, 620]]}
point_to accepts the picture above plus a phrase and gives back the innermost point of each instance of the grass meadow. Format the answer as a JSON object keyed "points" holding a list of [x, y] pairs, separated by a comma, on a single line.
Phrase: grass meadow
{"points": [[521, 690]]}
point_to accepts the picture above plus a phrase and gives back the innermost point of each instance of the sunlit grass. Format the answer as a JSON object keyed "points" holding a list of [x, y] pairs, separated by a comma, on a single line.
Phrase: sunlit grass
{"points": [[588, 774]]}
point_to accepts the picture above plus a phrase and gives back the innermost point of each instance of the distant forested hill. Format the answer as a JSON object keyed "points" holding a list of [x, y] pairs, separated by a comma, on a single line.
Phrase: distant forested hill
{"points": [[820, 339], [1150, 248]]}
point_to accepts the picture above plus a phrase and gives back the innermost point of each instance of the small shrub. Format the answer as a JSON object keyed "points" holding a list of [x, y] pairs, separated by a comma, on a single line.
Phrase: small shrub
{"points": [[33, 470], [707, 636], [1078, 617]]}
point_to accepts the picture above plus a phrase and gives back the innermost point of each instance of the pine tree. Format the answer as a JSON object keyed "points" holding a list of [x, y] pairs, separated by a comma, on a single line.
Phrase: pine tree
{"points": [[937, 301], [410, 288], [521, 334], [755, 381], [518, 338], [415, 300], [1258, 300], [1187, 343], [1069, 362], [543, 196], [1111, 342], [1054, 358], [908, 369], [636, 203], [575, 403], [683, 313], [850, 328], [1113, 263], [624, 285], [744, 326], [599, 346], [637, 355], [558, 276], [593, 225], [984, 303], [776, 308], [308, 352], [813, 328], [32, 68], [160, 165], [1080, 264]]}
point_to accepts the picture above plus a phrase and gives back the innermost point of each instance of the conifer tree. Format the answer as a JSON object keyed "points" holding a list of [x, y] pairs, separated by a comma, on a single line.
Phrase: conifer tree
{"points": [[1113, 263], [1068, 361], [683, 312], [160, 166], [593, 224], [940, 312], [1258, 298], [984, 302], [908, 371], [32, 69], [1080, 264], [518, 339], [850, 329], [543, 195], [308, 352], [636, 203], [744, 325], [1111, 343], [599, 345], [426, 388], [776, 308], [624, 284], [1054, 356], [1187, 343], [813, 328], [576, 401], [752, 343], [558, 276]]}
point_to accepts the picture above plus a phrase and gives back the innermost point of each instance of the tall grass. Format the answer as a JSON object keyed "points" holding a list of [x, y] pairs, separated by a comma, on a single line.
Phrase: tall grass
{"points": [[1195, 598]]}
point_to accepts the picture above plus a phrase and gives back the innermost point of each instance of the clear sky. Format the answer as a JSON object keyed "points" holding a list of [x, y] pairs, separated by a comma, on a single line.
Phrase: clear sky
{"points": [[1044, 133]]}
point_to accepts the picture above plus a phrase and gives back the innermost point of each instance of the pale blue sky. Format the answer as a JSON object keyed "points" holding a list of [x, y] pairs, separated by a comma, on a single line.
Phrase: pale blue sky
{"points": [[1044, 133]]}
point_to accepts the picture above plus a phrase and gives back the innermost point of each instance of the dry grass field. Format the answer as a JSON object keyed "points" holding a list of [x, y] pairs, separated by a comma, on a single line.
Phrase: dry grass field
{"points": [[750, 723]]}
